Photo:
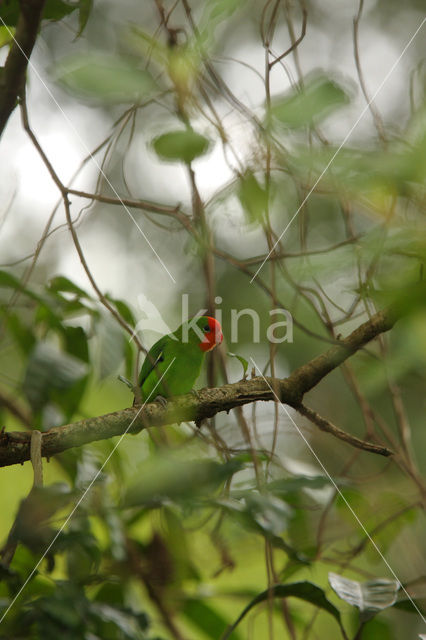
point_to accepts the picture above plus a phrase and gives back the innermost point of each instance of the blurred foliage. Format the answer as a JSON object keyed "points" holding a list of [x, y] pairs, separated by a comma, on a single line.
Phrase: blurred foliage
{"points": [[53, 10], [183, 146], [230, 530], [105, 79], [319, 98], [304, 590]]}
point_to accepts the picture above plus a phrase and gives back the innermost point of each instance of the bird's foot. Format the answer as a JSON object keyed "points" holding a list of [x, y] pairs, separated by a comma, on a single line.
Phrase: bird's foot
{"points": [[161, 401]]}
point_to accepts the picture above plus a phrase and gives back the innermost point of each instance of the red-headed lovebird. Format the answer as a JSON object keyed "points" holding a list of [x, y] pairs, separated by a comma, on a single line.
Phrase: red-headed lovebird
{"points": [[173, 363]]}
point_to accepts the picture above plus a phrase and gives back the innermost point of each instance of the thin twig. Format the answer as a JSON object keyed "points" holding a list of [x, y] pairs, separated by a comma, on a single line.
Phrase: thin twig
{"points": [[296, 43], [64, 191], [373, 109], [326, 425]]}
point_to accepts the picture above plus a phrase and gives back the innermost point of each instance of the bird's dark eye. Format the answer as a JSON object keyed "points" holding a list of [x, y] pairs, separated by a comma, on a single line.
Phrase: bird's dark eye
{"points": [[206, 328]]}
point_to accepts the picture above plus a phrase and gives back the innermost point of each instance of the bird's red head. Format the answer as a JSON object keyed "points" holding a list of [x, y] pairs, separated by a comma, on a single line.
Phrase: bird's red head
{"points": [[212, 333]]}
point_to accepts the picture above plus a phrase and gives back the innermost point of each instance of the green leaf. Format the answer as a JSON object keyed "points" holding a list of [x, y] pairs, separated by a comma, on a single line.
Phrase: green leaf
{"points": [[266, 515], [111, 346], [205, 618], [76, 343], [45, 312], [124, 310], [128, 622], [284, 486], [215, 13], [147, 46], [296, 556], [50, 370], [129, 359], [44, 501], [375, 175], [169, 478], [319, 97], [303, 590], [104, 78], [6, 35], [80, 541], [53, 10], [65, 608], [253, 197], [8, 280], [269, 513], [68, 400], [58, 9], [57, 614], [61, 284], [31, 524], [24, 336], [182, 146], [84, 10], [9, 12], [242, 361], [370, 597], [378, 630]]}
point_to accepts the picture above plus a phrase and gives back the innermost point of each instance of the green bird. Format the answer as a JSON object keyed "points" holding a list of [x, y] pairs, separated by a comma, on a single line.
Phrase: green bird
{"points": [[173, 363]]}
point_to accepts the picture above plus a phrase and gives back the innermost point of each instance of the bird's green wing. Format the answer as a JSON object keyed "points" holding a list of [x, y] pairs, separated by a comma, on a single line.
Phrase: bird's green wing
{"points": [[153, 357]]}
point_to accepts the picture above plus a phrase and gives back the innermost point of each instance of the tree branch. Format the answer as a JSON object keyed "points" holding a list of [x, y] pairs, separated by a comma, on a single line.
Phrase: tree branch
{"points": [[308, 375], [13, 77], [15, 446], [329, 427], [144, 205]]}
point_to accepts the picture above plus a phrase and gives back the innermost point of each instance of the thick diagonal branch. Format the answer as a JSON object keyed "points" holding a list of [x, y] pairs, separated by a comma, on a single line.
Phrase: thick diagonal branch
{"points": [[15, 446], [13, 76]]}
